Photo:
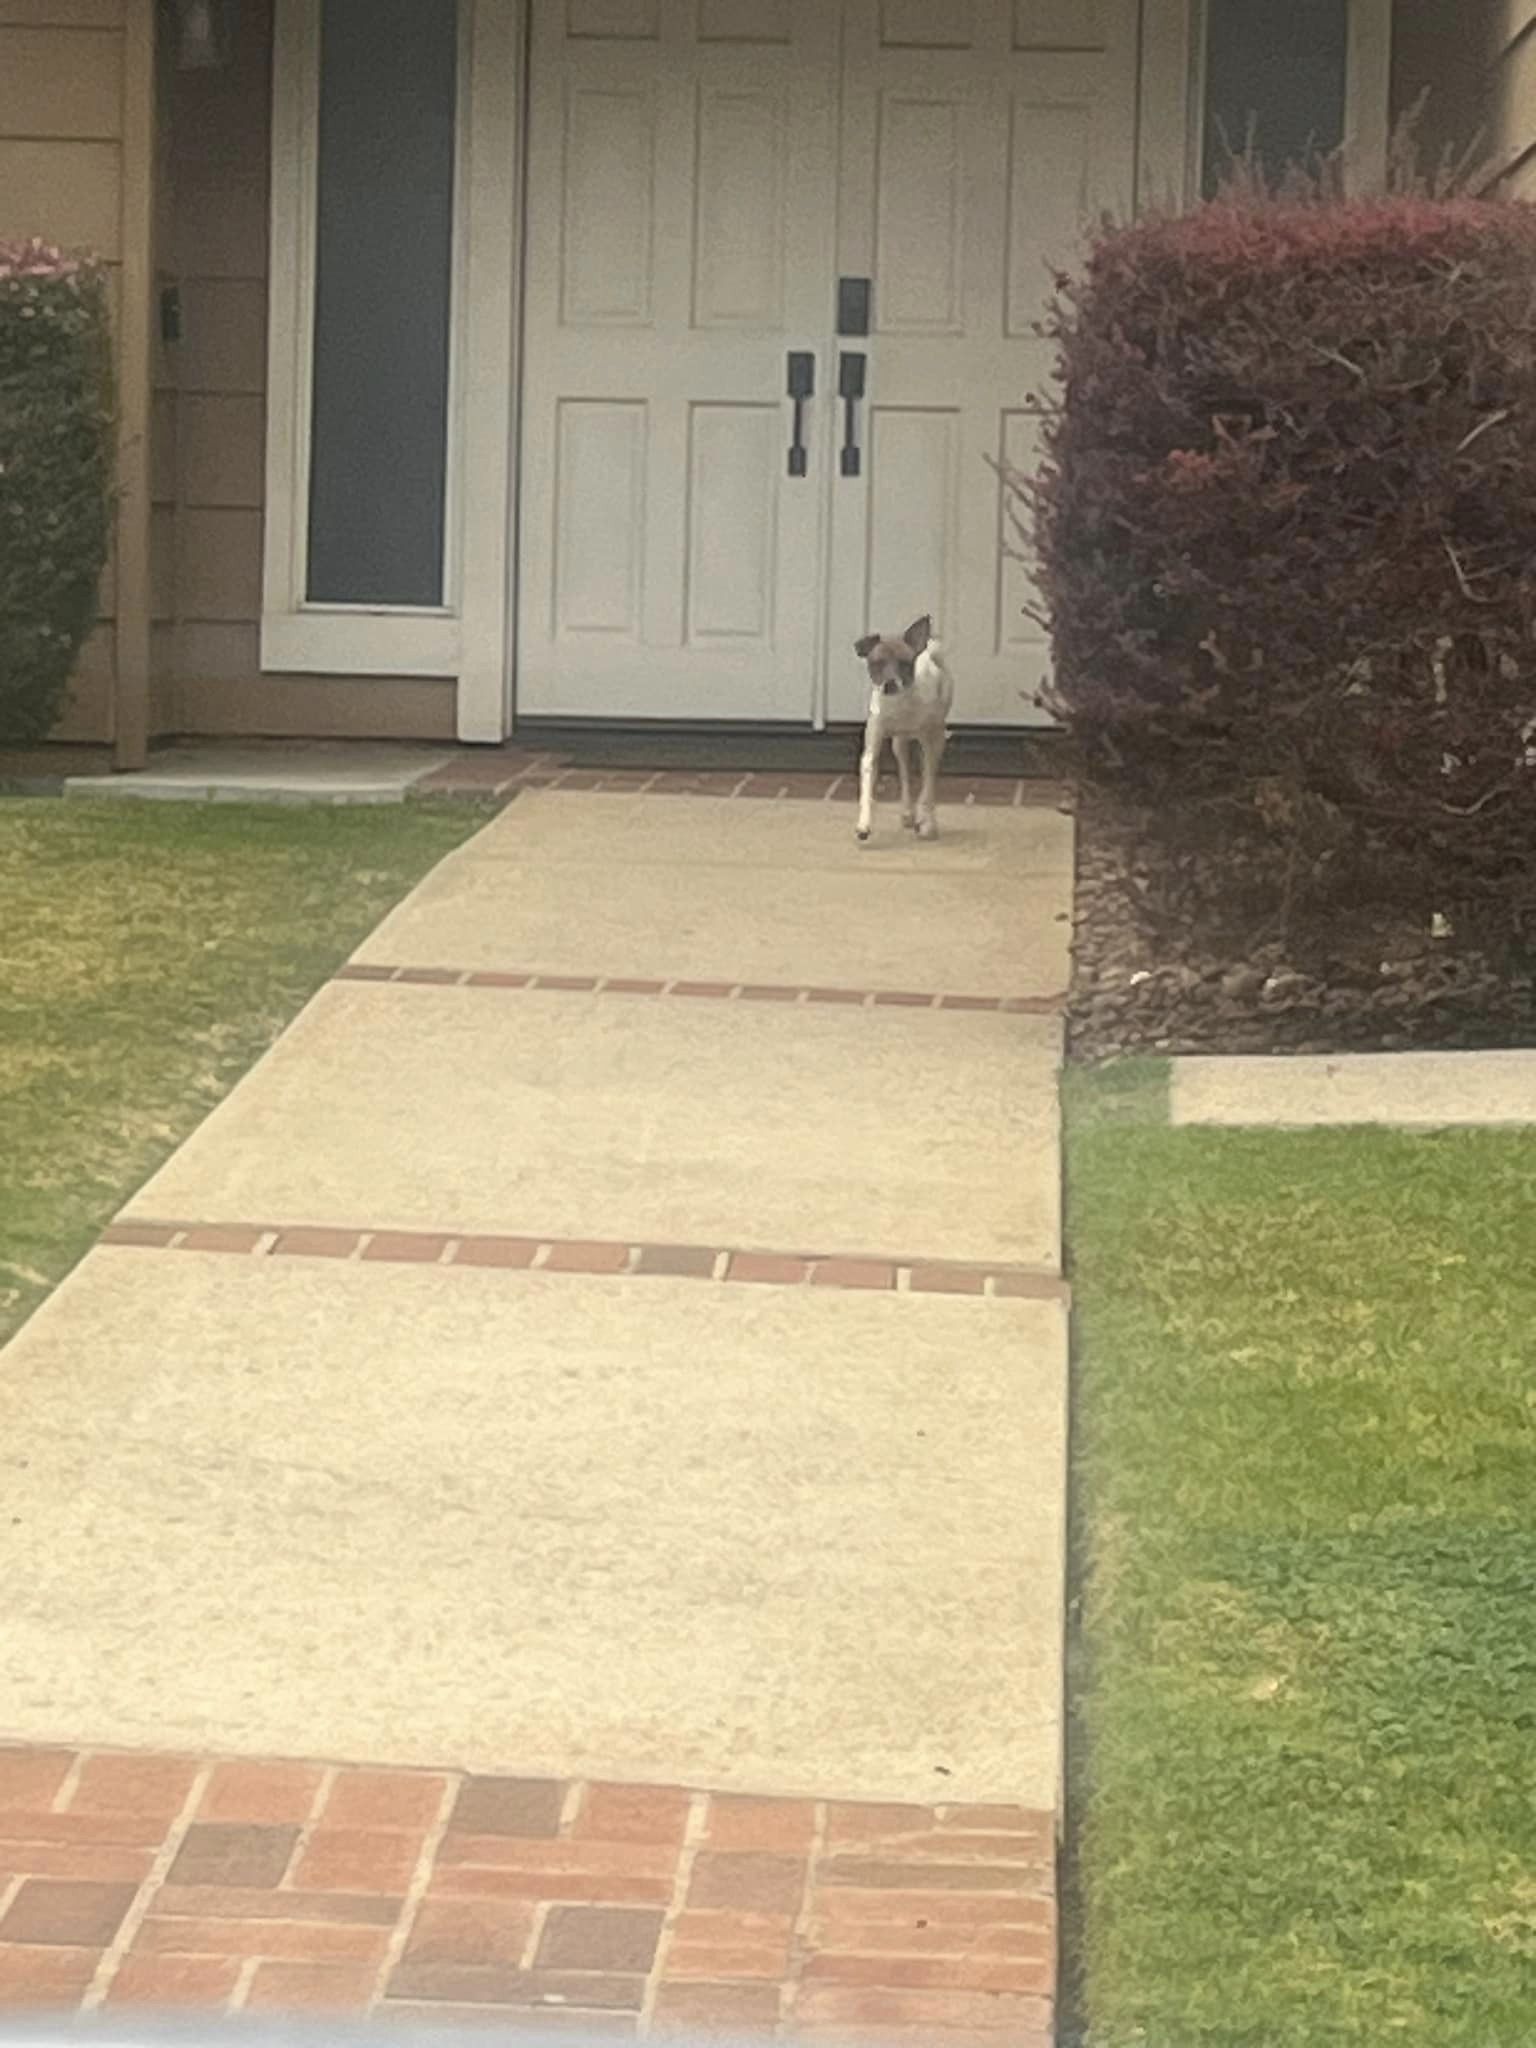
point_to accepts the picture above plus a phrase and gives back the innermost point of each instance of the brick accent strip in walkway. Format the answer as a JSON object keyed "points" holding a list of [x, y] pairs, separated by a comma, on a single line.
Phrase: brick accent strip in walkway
{"points": [[504, 773], [866, 1273], [168, 1881], [715, 991]]}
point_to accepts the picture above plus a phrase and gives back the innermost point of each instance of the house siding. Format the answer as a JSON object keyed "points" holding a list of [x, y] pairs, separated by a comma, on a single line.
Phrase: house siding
{"points": [[61, 177], [1445, 56], [1515, 96], [1477, 64]]}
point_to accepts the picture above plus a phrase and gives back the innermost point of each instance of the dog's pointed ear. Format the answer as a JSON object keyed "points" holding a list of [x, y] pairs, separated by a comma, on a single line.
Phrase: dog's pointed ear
{"points": [[865, 648], [919, 633]]}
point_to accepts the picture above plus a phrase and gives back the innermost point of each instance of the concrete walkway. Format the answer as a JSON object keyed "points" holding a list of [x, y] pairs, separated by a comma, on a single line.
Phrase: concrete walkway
{"points": [[1409, 1090], [318, 772], [616, 1334]]}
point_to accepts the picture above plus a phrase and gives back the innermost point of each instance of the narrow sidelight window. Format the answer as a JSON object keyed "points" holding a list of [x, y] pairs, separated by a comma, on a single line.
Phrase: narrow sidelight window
{"points": [[383, 292], [1281, 70]]}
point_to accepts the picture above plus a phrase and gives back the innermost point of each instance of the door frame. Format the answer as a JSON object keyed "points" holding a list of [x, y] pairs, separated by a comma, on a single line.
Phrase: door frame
{"points": [[466, 637], [1163, 108]]}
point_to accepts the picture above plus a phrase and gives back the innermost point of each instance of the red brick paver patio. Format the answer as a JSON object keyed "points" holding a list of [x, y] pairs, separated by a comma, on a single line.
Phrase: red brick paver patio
{"points": [[165, 1881]]}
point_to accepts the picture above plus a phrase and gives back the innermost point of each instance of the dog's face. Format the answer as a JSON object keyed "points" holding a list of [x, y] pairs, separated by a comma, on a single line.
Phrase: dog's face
{"points": [[893, 663]]}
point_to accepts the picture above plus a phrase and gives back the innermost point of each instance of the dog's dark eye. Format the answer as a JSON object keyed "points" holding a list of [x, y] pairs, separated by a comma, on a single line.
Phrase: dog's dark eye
{"points": [[908, 670]]}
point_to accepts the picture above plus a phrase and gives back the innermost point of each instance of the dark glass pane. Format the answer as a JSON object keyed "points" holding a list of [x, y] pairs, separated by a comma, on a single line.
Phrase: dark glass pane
{"points": [[1280, 66], [383, 275]]}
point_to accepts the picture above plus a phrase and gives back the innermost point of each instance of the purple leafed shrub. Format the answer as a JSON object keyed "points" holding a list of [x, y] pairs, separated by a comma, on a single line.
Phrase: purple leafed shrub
{"points": [[1286, 528], [55, 476]]}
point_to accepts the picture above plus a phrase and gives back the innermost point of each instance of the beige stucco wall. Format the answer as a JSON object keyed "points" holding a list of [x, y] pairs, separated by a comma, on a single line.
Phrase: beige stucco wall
{"points": [[61, 177]]}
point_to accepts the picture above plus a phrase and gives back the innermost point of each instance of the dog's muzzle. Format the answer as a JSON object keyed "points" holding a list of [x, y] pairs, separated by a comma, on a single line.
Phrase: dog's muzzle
{"points": [[892, 689]]}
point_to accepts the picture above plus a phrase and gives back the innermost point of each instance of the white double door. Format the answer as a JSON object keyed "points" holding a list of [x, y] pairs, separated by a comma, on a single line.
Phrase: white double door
{"points": [[702, 174]]}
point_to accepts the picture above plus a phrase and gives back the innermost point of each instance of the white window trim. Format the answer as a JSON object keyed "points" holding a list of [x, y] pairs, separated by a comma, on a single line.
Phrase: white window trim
{"points": [[1368, 90], [465, 638], [1172, 35], [1368, 106]]}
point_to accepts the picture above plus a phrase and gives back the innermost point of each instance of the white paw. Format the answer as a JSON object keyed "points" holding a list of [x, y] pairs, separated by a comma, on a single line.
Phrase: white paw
{"points": [[927, 828]]}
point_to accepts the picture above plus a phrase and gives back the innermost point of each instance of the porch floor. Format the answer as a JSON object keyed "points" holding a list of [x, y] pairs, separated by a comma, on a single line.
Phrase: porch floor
{"points": [[616, 1337], [272, 771], [980, 766]]}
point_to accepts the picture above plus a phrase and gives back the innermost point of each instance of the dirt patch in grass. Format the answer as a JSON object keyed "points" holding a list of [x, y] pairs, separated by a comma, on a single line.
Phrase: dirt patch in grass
{"points": [[1190, 951], [151, 952]]}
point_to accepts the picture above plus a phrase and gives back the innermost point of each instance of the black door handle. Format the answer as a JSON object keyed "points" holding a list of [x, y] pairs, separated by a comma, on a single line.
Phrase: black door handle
{"points": [[802, 385], [850, 389], [853, 305]]}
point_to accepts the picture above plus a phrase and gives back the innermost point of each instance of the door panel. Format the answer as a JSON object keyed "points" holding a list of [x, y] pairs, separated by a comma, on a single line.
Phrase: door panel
{"points": [[977, 138], [680, 243], [701, 172]]}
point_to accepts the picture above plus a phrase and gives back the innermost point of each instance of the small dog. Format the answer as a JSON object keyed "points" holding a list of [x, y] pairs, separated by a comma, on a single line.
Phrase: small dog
{"points": [[910, 692]]}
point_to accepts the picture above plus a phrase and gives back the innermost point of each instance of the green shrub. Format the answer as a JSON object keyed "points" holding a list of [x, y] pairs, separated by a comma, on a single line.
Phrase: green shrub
{"points": [[55, 476]]}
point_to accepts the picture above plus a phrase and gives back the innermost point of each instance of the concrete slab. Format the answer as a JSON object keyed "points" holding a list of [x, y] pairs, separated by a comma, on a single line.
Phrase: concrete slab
{"points": [[741, 1537], [316, 772], [669, 1121], [958, 934], [772, 839], [1411, 1090]]}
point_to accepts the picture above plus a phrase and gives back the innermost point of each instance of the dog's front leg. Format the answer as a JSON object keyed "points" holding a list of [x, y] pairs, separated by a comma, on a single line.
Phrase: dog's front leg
{"points": [[902, 748], [933, 753], [869, 763]]}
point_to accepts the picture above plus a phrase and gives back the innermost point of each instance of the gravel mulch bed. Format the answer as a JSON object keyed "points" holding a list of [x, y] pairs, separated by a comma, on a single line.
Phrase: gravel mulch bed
{"points": [[1165, 963]]}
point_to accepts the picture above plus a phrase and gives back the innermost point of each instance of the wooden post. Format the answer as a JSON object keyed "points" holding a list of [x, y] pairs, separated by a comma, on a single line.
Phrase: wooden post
{"points": [[135, 374]]}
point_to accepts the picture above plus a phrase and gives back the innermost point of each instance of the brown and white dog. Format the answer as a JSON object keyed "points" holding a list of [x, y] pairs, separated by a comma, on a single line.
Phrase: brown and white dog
{"points": [[910, 692]]}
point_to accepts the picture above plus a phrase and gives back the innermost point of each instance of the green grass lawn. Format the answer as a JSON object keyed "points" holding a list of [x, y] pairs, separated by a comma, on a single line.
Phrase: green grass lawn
{"points": [[1304, 1773], [148, 953]]}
